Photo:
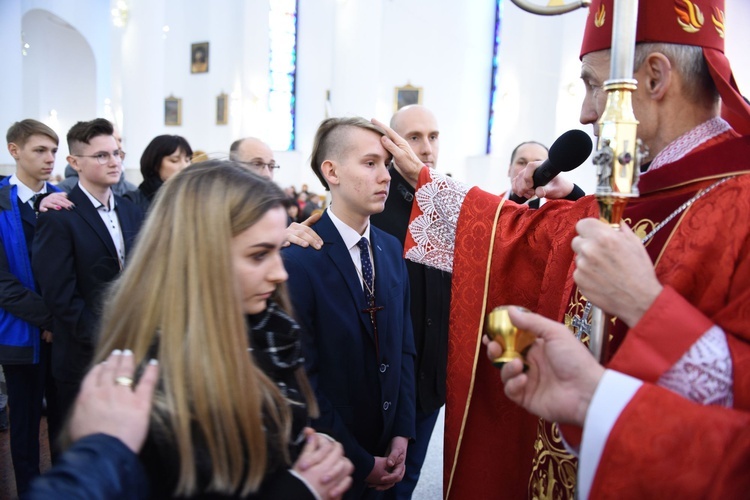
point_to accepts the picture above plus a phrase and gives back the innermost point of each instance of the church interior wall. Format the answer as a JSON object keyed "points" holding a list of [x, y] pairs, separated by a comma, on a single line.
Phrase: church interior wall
{"points": [[353, 51]]}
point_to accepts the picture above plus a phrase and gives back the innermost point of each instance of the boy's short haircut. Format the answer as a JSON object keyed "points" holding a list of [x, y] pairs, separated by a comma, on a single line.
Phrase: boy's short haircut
{"points": [[83, 132], [19, 132], [330, 140]]}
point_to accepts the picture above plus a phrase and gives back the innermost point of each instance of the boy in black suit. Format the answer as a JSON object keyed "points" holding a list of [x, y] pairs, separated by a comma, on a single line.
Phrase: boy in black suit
{"points": [[352, 300], [78, 252]]}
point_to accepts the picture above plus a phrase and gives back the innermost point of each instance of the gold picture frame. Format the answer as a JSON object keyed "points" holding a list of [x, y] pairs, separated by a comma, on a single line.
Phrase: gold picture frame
{"points": [[222, 109], [406, 95], [172, 111], [199, 57]]}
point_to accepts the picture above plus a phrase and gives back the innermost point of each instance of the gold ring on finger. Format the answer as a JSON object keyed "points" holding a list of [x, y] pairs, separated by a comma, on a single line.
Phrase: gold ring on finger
{"points": [[125, 381]]}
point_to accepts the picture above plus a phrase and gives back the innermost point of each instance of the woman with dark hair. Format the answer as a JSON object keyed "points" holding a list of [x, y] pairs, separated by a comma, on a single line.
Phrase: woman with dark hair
{"points": [[164, 156]]}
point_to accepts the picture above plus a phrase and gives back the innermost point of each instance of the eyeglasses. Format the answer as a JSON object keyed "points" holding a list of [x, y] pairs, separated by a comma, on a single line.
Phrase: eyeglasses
{"points": [[104, 158], [259, 165]]}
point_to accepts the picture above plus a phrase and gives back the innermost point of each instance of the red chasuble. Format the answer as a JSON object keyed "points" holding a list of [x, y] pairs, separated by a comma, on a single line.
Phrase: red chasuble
{"points": [[676, 449], [701, 256]]}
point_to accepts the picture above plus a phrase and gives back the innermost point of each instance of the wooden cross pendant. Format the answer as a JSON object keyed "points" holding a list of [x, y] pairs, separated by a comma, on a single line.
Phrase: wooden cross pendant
{"points": [[374, 321]]}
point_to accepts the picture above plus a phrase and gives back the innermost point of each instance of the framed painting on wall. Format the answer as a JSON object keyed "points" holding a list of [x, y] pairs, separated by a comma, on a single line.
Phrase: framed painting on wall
{"points": [[222, 109], [199, 57], [172, 111], [406, 95]]}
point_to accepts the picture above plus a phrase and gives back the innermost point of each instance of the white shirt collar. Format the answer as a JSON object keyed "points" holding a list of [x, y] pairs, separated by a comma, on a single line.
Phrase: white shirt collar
{"points": [[349, 235], [25, 192], [98, 204]]}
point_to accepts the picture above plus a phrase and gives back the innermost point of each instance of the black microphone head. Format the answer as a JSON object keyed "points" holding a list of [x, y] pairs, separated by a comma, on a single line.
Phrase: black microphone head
{"points": [[570, 150]]}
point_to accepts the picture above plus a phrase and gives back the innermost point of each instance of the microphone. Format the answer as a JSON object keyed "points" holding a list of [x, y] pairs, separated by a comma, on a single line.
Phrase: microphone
{"points": [[567, 152]]}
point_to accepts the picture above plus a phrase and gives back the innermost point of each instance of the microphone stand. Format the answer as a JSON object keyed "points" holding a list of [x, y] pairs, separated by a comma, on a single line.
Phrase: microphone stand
{"points": [[619, 151]]}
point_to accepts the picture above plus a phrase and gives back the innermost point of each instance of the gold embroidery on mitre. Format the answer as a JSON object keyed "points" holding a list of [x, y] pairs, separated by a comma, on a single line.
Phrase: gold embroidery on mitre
{"points": [[600, 17], [553, 474], [689, 16], [718, 19]]}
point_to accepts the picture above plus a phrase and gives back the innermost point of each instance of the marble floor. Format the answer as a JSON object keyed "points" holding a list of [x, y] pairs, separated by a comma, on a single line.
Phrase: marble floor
{"points": [[430, 485]]}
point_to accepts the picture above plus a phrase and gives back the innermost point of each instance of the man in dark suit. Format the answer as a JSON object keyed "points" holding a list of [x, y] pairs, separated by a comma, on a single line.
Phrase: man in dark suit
{"points": [[352, 299], [522, 155], [78, 252], [25, 321], [430, 292]]}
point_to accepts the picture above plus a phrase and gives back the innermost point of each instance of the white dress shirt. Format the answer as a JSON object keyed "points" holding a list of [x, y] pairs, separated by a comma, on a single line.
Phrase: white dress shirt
{"points": [[110, 219], [351, 238], [25, 193]]}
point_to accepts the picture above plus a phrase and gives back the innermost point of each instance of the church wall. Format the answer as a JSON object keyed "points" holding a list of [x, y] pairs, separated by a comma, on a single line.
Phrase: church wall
{"points": [[11, 88], [57, 53], [359, 50], [538, 61]]}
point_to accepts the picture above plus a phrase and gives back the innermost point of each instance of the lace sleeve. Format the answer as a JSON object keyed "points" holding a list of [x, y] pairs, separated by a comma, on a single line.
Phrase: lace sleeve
{"points": [[434, 231], [704, 373]]}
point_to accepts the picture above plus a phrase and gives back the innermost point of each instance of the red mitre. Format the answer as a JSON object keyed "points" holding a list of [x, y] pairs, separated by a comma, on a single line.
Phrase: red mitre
{"points": [[684, 22]]}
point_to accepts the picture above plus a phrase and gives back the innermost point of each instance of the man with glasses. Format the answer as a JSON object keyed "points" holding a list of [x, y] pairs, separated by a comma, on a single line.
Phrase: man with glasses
{"points": [[122, 187], [257, 156], [77, 253]]}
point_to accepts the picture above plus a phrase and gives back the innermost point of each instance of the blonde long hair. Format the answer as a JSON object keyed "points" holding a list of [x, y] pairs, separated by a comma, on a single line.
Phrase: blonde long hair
{"points": [[177, 299]]}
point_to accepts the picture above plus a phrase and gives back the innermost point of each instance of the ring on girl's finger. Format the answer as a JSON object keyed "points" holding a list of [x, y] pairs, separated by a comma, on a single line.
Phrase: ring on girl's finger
{"points": [[125, 381]]}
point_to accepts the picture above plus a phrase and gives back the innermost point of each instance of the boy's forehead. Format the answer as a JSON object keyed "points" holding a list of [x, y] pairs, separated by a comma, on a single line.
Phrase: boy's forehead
{"points": [[40, 139], [357, 142], [364, 138]]}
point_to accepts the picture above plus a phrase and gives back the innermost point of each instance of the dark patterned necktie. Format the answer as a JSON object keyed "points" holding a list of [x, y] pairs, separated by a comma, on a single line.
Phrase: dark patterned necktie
{"points": [[33, 199], [367, 273]]}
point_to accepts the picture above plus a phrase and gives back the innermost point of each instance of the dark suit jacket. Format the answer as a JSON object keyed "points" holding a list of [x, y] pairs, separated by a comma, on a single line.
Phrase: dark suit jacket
{"points": [[364, 402], [74, 259], [430, 300]]}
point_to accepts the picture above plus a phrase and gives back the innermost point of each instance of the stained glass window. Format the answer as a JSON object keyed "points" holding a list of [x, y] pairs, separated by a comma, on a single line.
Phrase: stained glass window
{"points": [[282, 75], [495, 68]]}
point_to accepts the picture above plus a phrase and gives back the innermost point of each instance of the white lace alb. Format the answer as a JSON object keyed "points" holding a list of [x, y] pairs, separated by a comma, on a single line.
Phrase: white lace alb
{"points": [[434, 231], [704, 373]]}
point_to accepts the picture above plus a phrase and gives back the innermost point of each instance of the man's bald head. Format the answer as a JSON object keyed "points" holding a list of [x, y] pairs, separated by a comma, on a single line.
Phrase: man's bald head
{"points": [[255, 154], [419, 127]]}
